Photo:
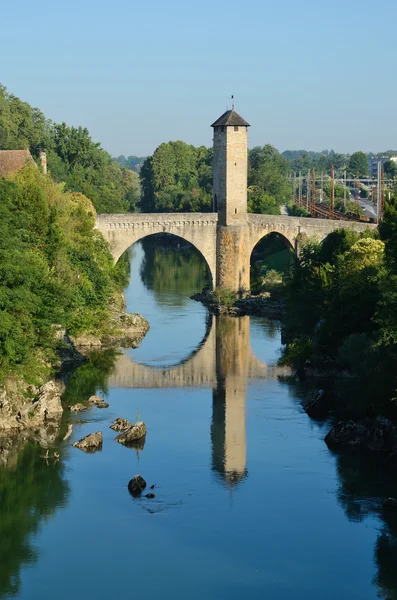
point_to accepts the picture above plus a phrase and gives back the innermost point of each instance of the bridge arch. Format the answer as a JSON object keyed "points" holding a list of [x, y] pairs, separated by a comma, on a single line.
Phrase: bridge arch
{"points": [[198, 229]]}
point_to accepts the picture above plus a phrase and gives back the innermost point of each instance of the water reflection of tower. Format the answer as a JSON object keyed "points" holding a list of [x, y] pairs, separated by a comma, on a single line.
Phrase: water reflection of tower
{"points": [[229, 398]]}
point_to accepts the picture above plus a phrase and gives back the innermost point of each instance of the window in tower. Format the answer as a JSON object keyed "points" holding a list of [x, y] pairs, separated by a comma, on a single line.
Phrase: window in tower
{"points": [[236, 129]]}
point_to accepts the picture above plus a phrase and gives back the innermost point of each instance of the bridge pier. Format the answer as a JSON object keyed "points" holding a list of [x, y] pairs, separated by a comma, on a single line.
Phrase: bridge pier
{"points": [[232, 258]]}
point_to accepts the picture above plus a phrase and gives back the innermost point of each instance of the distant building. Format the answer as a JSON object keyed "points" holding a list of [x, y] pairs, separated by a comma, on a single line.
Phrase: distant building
{"points": [[373, 164], [13, 160]]}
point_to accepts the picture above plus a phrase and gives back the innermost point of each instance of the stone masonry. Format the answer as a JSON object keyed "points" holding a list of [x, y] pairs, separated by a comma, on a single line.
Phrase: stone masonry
{"points": [[226, 237]]}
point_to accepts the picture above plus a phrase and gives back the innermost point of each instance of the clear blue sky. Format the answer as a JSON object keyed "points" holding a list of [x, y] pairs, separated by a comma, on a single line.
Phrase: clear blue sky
{"points": [[306, 74]]}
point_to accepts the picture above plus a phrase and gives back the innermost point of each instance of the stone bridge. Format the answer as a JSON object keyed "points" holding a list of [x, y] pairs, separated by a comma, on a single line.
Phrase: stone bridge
{"points": [[227, 236], [226, 250]]}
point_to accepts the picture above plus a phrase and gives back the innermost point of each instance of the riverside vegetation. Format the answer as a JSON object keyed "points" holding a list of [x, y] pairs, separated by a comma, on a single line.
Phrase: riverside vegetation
{"points": [[58, 283]]}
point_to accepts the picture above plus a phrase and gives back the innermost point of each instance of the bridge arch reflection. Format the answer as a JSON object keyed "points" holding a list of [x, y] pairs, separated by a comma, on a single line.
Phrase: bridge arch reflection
{"points": [[223, 362]]}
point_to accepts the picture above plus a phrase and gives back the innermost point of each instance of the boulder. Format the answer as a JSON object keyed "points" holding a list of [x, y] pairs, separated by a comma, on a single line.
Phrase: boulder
{"points": [[120, 424], [95, 400], [90, 443], [150, 495], [48, 406], [136, 432], [102, 405], [86, 341], [315, 405], [379, 435], [76, 408], [390, 503], [136, 485]]}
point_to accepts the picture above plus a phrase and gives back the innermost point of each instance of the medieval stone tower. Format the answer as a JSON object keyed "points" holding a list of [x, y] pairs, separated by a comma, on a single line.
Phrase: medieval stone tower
{"points": [[230, 164]]}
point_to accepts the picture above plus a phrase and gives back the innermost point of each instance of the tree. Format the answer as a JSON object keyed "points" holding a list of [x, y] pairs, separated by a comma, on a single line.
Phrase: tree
{"points": [[267, 178], [177, 178], [358, 163], [390, 169]]}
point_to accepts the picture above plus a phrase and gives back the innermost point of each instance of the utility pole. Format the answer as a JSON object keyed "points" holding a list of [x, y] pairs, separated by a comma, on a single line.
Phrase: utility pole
{"points": [[294, 190], [379, 191], [300, 189], [382, 192], [313, 194], [344, 191], [332, 190], [357, 190], [308, 191], [322, 187]]}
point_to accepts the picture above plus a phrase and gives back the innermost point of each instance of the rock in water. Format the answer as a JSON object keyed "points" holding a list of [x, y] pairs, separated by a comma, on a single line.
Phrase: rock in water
{"points": [[120, 424], [390, 503], [95, 400], [79, 407], [150, 495], [90, 443], [136, 432], [69, 432], [102, 405], [315, 405], [136, 485]]}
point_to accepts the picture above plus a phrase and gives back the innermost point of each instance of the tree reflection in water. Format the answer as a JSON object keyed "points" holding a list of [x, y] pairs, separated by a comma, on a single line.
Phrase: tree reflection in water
{"points": [[166, 270], [32, 490], [364, 484]]}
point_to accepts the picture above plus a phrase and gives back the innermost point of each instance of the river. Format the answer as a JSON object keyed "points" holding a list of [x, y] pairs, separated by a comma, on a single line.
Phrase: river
{"points": [[249, 501]]}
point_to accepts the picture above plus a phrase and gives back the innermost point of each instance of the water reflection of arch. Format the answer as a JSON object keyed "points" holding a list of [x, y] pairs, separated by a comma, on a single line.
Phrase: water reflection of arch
{"points": [[201, 368], [224, 362]]}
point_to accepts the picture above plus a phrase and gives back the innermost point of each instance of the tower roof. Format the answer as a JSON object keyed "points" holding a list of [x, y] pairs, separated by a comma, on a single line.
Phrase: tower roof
{"points": [[230, 118]]}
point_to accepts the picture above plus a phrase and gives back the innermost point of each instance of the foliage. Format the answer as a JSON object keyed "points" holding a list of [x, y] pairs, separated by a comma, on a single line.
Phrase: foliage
{"points": [[177, 178], [72, 157], [54, 267], [390, 169], [350, 284], [297, 211], [303, 160], [358, 163], [268, 187], [133, 163], [225, 297]]}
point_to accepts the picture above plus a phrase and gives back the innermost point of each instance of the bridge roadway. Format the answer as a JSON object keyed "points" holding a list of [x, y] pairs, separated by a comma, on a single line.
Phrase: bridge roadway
{"points": [[203, 232]]}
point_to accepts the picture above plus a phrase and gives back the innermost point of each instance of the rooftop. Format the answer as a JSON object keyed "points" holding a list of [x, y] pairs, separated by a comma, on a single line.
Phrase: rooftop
{"points": [[230, 118], [13, 160]]}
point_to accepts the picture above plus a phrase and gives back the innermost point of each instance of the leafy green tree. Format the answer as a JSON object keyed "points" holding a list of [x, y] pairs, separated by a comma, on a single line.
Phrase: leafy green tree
{"points": [[72, 157], [358, 163], [267, 179], [177, 178], [390, 168]]}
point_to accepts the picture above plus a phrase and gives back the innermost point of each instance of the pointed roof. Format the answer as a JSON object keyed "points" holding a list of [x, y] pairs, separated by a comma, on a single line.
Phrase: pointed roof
{"points": [[230, 118], [13, 160]]}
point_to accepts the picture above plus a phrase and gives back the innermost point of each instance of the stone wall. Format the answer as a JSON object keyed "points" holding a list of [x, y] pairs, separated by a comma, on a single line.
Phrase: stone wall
{"points": [[226, 249]]}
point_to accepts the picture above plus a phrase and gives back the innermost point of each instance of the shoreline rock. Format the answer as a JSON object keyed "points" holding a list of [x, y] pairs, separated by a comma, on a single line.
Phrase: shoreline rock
{"points": [[119, 424], [132, 434], [375, 435], [262, 305], [90, 443], [126, 330]]}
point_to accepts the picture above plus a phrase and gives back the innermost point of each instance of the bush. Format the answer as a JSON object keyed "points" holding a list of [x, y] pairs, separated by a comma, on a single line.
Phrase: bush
{"points": [[225, 297]]}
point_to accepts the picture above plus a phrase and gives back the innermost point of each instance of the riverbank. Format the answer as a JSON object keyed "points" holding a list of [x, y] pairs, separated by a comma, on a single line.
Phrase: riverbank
{"points": [[31, 412], [261, 305]]}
